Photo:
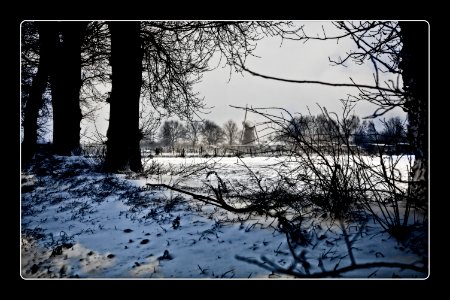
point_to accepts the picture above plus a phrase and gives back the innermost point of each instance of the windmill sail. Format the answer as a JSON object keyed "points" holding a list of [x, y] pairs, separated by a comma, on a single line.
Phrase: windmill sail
{"points": [[245, 119]]}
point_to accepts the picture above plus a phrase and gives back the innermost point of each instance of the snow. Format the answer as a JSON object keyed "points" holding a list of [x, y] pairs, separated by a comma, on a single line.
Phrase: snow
{"points": [[116, 226]]}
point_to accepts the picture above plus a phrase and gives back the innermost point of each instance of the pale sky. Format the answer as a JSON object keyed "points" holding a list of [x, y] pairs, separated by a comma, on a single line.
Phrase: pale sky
{"points": [[291, 60]]}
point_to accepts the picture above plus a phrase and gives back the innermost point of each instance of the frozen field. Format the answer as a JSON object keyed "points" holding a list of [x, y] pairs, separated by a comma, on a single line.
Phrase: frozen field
{"points": [[78, 223]]}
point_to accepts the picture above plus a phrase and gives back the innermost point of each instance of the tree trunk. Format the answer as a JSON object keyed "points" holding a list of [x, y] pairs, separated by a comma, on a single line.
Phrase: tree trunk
{"points": [[66, 85], [414, 65], [47, 37], [123, 149]]}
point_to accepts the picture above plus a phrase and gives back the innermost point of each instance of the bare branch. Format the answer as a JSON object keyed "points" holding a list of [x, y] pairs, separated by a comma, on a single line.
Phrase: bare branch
{"points": [[354, 85]]}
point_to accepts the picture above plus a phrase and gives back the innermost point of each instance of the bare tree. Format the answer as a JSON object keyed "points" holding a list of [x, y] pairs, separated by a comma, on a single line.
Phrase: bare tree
{"points": [[173, 56], [177, 53], [96, 78], [326, 129], [171, 132], [149, 121], [95, 69], [65, 80], [60, 64], [394, 131], [193, 130], [93, 43], [231, 131], [350, 126], [212, 133], [365, 133], [397, 48], [36, 54], [123, 149]]}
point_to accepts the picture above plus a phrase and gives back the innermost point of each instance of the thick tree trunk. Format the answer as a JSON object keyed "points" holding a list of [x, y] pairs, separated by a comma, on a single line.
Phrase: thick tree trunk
{"points": [[414, 65], [123, 149], [47, 37], [66, 84]]}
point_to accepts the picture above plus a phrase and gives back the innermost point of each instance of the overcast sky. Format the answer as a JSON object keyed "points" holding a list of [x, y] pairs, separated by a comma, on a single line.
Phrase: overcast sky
{"points": [[292, 60]]}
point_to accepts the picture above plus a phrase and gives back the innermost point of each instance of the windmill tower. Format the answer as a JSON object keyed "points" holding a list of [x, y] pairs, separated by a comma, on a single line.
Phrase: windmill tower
{"points": [[249, 134]]}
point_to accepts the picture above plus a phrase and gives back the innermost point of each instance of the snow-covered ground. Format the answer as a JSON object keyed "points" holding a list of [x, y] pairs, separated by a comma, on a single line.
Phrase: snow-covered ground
{"points": [[79, 223]]}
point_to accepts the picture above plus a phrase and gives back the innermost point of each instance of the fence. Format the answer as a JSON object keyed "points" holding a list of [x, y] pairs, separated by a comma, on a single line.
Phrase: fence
{"points": [[97, 150]]}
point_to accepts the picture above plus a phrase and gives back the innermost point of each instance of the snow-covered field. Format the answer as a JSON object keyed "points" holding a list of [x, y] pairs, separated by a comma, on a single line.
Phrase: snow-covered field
{"points": [[79, 223]]}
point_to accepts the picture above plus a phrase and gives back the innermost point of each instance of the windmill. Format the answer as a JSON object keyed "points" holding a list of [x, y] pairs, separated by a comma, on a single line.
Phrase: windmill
{"points": [[249, 134]]}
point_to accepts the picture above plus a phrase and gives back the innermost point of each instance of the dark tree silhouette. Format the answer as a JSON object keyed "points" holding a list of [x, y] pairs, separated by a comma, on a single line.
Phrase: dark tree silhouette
{"points": [[171, 132], [212, 133], [65, 80], [414, 66], [350, 126], [326, 129], [123, 150], [365, 134], [57, 50], [394, 131], [231, 131], [32, 101], [193, 129], [300, 125]]}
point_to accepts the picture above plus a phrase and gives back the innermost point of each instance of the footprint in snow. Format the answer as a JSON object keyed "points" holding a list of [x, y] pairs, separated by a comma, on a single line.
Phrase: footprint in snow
{"points": [[145, 241]]}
